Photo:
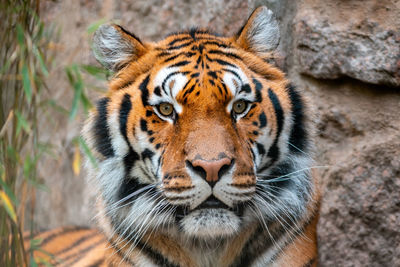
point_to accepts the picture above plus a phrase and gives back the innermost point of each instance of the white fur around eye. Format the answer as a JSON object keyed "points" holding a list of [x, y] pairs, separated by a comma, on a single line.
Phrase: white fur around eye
{"points": [[173, 81]]}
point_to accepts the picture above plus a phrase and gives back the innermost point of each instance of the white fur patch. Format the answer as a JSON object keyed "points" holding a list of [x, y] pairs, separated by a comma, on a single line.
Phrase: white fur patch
{"points": [[110, 48], [210, 223], [118, 142], [263, 35], [167, 77]]}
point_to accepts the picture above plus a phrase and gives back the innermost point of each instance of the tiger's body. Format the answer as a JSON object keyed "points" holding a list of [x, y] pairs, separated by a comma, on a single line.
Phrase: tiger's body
{"points": [[203, 153]]}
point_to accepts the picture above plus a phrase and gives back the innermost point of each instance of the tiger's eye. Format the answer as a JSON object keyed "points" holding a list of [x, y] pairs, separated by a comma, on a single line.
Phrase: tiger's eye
{"points": [[166, 109], [239, 106]]}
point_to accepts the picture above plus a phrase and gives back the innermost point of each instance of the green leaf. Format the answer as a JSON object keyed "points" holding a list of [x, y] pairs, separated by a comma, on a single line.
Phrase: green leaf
{"points": [[75, 79], [20, 35], [86, 103], [75, 104], [33, 262], [95, 25], [9, 192], [26, 82], [98, 73], [39, 33], [12, 153], [28, 164], [5, 200], [39, 185], [87, 152], [52, 103], [35, 243], [6, 66], [40, 60], [22, 123]]}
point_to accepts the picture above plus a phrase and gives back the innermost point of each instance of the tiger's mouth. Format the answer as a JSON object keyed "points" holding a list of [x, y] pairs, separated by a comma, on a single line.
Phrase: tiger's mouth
{"points": [[211, 203]]}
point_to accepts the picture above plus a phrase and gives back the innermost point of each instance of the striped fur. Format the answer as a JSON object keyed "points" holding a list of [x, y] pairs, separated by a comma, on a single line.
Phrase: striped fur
{"points": [[206, 185]]}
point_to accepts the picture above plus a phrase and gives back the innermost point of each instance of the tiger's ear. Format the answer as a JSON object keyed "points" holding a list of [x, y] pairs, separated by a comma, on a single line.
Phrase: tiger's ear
{"points": [[114, 47], [260, 34]]}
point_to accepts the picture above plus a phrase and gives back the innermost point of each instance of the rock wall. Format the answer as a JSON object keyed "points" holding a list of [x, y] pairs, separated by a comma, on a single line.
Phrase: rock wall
{"points": [[345, 55]]}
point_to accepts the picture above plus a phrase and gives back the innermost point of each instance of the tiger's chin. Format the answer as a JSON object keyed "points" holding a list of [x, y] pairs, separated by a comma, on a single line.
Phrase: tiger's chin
{"points": [[211, 223]]}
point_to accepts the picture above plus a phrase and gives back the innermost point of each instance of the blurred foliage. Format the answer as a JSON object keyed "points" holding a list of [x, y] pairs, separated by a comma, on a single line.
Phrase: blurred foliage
{"points": [[77, 75], [24, 61], [25, 58]]}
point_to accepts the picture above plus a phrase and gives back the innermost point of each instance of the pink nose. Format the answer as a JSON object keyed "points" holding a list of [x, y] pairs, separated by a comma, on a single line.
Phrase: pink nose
{"points": [[212, 168]]}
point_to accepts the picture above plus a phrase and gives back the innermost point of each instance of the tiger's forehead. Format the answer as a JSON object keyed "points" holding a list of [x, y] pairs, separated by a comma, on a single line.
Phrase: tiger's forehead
{"points": [[197, 64]]}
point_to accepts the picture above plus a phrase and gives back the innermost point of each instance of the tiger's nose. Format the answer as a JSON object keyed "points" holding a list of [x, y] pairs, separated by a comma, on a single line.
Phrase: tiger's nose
{"points": [[211, 170]]}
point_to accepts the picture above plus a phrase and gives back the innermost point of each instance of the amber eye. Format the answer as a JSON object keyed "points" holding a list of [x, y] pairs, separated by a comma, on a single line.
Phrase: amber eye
{"points": [[166, 109], [239, 106]]}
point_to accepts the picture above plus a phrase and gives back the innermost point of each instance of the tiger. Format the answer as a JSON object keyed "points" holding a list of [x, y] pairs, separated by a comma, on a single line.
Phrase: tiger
{"points": [[203, 155]]}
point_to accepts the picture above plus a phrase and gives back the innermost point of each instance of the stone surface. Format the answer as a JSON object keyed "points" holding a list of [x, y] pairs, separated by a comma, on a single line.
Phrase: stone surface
{"points": [[357, 142], [358, 39], [360, 216], [358, 155]]}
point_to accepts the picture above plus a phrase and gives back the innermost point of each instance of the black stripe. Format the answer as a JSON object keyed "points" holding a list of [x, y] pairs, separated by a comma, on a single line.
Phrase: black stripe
{"points": [[228, 54], [76, 243], [234, 73], [273, 152], [129, 186], [283, 169], [189, 90], [260, 149], [224, 87], [166, 79], [263, 120], [64, 231], [127, 84], [126, 107], [258, 87], [180, 64], [186, 54], [298, 135], [143, 125], [157, 91], [180, 46], [213, 74], [101, 129], [224, 63], [155, 256], [129, 33], [79, 255], [147, 153], [245, 88], [179, 40], [215, 43], [130, 159], [163, 54], [149, 113], [260, 241], [173, 57], [256, 244], [145, 91]]}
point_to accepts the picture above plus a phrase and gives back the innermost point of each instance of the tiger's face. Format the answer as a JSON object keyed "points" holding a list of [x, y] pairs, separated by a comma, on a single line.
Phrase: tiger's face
{"points": [[191, 129]]}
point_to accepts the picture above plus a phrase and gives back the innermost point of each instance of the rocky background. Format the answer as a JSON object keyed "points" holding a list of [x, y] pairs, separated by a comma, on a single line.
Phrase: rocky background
{"points": [[344, 54]]}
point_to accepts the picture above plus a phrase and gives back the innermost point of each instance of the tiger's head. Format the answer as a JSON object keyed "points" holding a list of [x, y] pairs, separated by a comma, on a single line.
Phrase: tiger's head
{"points": [[198, 134]]}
